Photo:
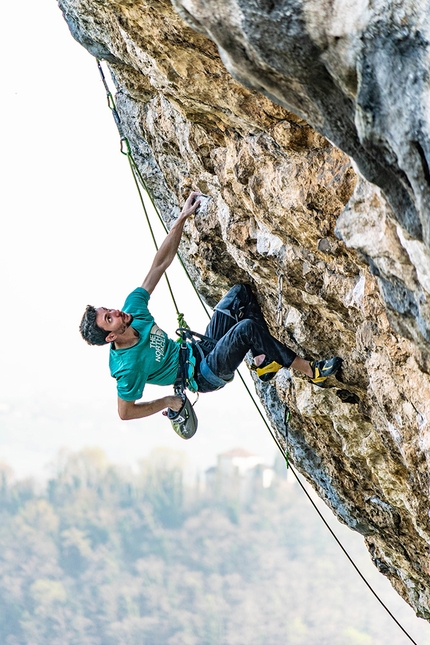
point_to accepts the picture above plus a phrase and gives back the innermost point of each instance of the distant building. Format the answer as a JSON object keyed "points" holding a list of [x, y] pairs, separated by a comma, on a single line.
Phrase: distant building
{"points": [[238, 475]]}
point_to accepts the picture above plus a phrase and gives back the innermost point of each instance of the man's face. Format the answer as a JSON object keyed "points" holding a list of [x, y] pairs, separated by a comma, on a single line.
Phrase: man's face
{"points": [[113, 321]]}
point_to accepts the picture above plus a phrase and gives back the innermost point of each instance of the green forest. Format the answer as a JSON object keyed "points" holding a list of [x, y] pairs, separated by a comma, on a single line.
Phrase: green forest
{"points": [[104, 556]]}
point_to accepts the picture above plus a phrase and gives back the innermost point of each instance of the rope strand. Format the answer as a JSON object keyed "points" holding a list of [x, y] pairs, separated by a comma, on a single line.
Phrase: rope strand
{"points": [[285, 455], [132, 166]]}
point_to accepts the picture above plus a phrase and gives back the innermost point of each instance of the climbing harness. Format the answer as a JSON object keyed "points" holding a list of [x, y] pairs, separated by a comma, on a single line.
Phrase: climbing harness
{"points": [[185, 420], [187, 363], [203, 345]]}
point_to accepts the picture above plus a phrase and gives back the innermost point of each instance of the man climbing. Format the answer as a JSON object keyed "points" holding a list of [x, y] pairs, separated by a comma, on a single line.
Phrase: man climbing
{"points": [[142, 353]]}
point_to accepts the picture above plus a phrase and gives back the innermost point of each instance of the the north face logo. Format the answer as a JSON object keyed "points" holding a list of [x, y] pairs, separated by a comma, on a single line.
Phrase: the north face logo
{"points": [[157, 341]]}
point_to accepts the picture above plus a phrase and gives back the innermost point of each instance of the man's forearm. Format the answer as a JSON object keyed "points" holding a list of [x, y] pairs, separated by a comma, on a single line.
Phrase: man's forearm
{"points": [[168, 249], [128, 410]]}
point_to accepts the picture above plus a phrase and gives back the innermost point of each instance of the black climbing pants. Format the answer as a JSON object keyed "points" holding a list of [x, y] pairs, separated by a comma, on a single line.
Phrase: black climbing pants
{"points": [[238, 326]]}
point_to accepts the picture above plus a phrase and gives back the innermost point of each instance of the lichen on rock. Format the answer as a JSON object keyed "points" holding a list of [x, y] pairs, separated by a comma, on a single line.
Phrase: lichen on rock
{"points": [[289, 116]]}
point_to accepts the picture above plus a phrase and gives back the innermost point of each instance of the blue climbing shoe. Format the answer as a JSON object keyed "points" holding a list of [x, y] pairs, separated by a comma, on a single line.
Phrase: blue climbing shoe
{"points": [[325, 368]]}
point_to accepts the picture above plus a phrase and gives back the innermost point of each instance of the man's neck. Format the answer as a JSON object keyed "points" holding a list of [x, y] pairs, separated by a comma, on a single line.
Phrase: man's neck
{"points": [[128, 339]]}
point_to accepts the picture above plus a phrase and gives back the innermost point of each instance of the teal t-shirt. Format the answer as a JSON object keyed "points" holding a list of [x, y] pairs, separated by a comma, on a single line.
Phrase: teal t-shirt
{"points": [[154, 359]]}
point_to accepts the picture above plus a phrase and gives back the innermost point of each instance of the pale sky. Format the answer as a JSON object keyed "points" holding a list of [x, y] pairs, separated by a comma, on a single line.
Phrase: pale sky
{"points": [[66, 193]]}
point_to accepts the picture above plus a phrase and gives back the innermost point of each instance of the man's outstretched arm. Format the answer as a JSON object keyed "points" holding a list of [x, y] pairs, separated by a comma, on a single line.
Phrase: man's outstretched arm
{"points": [[128, 410], [167, 251]]}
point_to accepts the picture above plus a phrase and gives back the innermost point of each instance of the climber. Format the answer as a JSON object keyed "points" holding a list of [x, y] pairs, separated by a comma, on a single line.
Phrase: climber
{"points": [[142, 353]]}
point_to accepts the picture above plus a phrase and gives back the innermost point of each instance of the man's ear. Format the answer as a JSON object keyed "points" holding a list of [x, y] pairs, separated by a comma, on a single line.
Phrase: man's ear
{"points": [[111, 337]]}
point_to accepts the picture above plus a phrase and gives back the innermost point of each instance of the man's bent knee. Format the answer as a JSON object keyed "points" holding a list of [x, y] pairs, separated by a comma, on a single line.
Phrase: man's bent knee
{"points": [[236, 301]]}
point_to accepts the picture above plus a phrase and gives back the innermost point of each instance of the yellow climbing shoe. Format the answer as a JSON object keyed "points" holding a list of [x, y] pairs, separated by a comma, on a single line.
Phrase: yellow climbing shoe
{"points": [[266, 370], [325, 368]]}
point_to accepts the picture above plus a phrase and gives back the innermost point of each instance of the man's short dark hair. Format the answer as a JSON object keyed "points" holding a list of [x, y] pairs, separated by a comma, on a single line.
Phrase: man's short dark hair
{"points": [[91, 332]]}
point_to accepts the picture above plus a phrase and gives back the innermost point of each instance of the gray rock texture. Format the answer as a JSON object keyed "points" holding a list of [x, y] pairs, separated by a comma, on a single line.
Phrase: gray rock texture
{"points": [[307, 123]]}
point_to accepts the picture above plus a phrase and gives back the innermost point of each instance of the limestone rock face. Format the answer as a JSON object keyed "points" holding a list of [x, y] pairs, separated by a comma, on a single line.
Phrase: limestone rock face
{"points": [[340, 261]]}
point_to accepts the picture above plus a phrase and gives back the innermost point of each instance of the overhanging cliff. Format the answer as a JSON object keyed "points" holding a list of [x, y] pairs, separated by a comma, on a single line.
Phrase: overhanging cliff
{"points": [[352, 248]]}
